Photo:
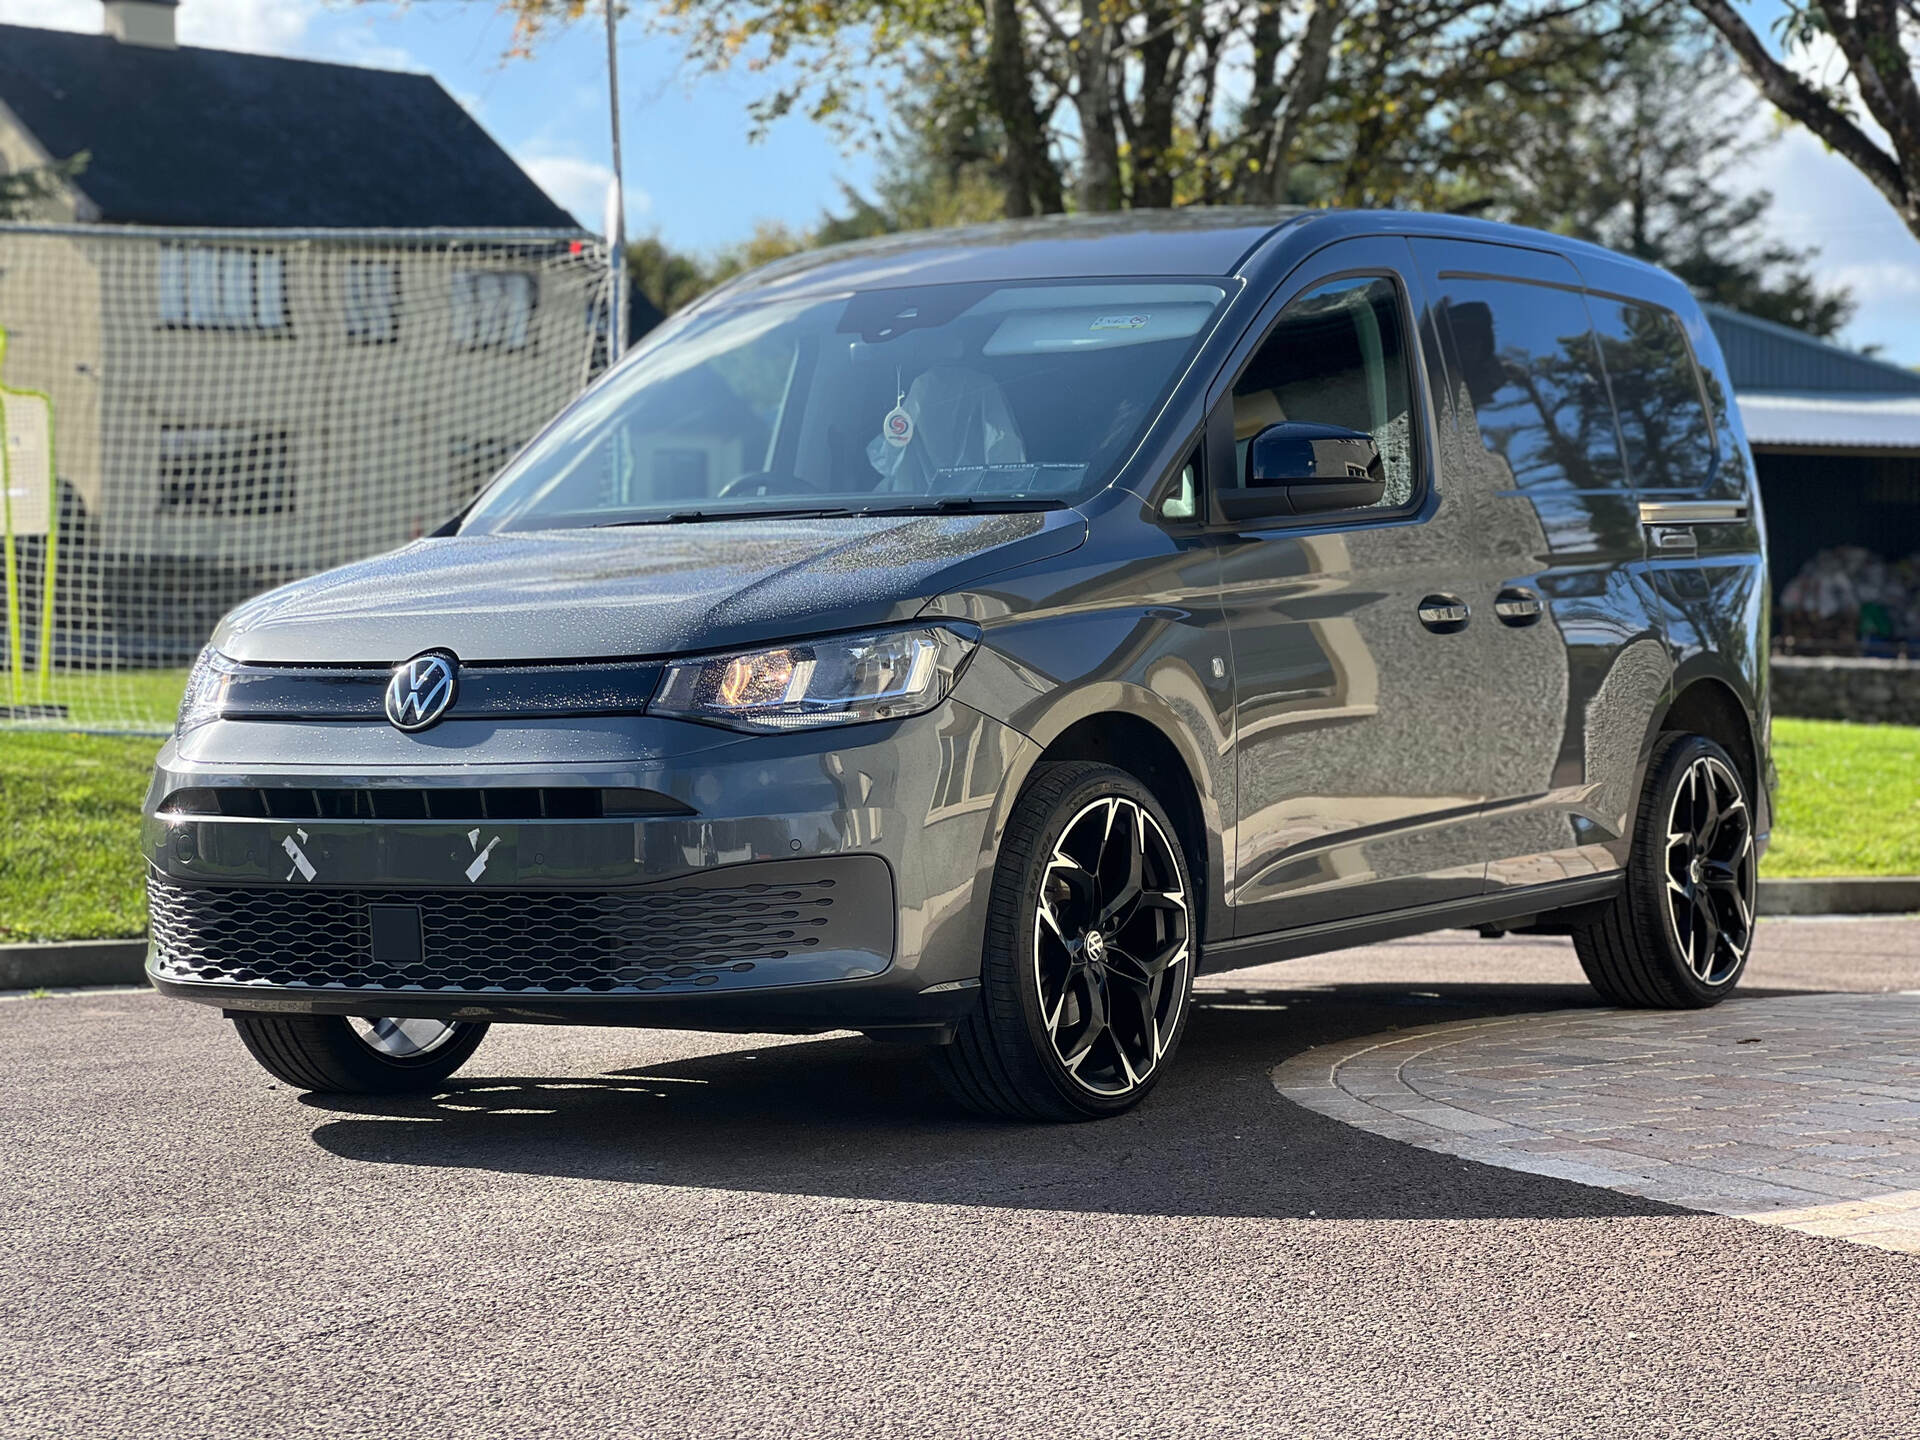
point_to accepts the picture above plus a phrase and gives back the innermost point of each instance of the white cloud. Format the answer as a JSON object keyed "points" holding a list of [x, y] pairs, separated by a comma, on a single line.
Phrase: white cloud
{"points": [[358, 45], [1877, 281], [579, 185], [258, 27], [1820, 201], [52, 14]]}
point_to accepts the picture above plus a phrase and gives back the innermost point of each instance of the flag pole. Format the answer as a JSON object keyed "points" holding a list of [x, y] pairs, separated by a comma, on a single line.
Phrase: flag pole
{"points": [[616, 210]]}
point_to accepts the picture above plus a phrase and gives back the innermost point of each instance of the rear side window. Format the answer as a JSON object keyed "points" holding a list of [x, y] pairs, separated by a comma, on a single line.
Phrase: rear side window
{"points": [[1529, 365], [1657, 393], [1336, 356]]}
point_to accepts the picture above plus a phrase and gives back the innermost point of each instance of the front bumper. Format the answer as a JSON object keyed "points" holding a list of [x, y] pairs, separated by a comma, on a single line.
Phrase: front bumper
{"points": [[790, 882]]}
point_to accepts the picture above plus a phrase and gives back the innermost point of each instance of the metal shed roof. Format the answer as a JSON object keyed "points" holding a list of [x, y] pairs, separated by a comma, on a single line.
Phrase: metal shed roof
{"points": [[1831, 421], [1768, 357]]}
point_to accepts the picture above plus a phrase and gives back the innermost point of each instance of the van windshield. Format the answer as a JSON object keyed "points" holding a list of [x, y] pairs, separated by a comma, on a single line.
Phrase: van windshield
{"points": [[947, 396]]}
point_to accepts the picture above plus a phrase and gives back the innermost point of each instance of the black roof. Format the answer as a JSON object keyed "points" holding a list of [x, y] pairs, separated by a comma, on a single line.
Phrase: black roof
{"points": [[1199, 241], [211, 137]]}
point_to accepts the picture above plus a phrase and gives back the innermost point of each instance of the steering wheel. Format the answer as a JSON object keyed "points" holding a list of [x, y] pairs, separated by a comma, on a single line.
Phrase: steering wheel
{"points": [[766, 482]]}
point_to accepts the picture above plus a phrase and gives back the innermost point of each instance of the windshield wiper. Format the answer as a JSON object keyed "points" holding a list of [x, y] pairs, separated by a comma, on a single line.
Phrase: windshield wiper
{"points": [[941, 505], [969, 504], [693, 517]]}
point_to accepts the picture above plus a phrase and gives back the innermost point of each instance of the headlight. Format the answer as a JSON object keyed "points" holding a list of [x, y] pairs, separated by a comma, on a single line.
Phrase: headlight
{"points": [[206, 693], [842, 680]]}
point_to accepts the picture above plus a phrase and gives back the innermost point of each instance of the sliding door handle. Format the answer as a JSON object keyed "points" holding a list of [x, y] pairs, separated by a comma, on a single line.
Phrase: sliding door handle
{"points": [[1444, 614], [1672, 540], [1517, 606]]}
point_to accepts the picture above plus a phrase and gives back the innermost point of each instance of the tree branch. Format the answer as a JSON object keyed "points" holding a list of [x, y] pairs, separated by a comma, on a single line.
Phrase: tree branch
{"points": [[1798, 100]]}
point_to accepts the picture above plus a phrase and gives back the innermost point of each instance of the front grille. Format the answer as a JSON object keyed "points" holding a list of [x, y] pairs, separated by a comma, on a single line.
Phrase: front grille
{"points": [[522, 942], [396, 802]]}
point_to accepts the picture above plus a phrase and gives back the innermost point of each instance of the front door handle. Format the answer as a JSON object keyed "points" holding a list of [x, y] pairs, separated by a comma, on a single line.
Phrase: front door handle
{"points": [[1444, 614], [1517, 606]]}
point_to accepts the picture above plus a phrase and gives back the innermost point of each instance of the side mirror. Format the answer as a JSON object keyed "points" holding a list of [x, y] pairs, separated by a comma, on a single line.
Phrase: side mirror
{"points": [[1296, 468]]}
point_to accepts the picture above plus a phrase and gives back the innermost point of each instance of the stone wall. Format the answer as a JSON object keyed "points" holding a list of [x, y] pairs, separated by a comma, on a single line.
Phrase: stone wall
{"points": [[1843, 688]]}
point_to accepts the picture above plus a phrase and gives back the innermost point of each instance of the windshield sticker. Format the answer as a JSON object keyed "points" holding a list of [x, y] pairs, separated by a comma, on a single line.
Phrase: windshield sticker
{"points": [[1120, 322], [897, 427]]}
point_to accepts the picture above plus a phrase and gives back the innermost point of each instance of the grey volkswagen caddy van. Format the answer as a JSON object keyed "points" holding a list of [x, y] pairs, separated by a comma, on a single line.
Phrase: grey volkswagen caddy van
{"points": [[969, 637]]}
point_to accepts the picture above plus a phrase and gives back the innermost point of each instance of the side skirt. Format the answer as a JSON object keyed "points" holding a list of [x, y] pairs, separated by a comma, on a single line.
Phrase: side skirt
{"points": [[1507, 910]]}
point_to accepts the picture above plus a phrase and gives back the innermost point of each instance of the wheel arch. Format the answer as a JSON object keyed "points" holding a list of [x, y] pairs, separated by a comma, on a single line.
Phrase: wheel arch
{"points": [[1158, 752], [1709, 704]]}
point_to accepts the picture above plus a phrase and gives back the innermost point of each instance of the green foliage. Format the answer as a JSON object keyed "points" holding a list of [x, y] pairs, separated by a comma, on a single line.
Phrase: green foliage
{"points": [[23, 191], [1605, 119]]}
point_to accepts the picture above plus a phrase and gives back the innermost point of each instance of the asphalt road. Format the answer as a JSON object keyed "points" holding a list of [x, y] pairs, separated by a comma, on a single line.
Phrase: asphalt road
{"points": [[620, 1232]]}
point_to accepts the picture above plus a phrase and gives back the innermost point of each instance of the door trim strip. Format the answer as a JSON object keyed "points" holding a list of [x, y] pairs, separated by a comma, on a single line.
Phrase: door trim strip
{"points": [[1692, 512], [1488, 908]]}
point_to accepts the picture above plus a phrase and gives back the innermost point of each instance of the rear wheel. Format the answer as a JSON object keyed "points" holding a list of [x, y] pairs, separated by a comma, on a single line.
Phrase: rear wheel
{"points": [[1088, 965], [358, 1057], [1679, 934]]}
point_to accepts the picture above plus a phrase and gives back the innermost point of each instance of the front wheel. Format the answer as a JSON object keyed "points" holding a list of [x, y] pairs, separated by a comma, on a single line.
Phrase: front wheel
{"points": [[1089, 959], [351, 1056], [1678, 935]]}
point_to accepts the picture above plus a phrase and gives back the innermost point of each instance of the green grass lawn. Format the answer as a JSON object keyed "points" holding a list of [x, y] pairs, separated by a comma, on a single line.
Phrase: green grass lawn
{"points": [[1849, 799], [70, 835], [145, 700], [1849, 804]]}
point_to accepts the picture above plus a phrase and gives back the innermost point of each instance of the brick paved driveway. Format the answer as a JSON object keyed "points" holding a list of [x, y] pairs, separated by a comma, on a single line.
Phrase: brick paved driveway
{"points": [[1796, 1110]]}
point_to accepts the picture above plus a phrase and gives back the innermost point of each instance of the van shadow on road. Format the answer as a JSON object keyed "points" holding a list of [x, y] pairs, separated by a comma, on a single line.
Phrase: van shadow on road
{"points": [[849, 1118]]}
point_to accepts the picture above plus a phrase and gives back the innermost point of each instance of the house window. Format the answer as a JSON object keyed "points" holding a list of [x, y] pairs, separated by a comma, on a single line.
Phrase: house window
{"points": [[372, 301], [225, 470], [492, 309], [222, 287]]}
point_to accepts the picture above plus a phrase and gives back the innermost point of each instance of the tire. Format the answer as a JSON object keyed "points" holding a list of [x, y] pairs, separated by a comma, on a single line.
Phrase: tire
{"points": [[1678, 935], [332, 1054], [1072, 1023]]}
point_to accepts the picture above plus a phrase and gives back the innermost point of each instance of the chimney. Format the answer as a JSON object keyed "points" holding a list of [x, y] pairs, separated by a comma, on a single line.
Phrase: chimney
{"points": [[141, 22]]}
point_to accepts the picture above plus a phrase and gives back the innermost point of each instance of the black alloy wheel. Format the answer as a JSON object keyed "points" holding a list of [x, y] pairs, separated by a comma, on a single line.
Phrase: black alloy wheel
{"points": [[1090, 953], [1711, 870], [1679, 934]]}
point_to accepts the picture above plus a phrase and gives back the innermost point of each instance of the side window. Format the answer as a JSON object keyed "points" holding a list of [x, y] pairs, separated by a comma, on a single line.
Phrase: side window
{"points": [[1337, 356], [1183, 501], [1529, 365], [1658, 395]]}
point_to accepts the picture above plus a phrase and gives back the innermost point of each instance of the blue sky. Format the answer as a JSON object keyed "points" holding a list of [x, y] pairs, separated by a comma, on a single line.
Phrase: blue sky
{"points": [[693, 175]]}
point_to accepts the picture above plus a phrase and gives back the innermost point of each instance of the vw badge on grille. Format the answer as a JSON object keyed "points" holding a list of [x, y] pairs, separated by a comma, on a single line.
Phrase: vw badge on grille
{"points": [[421, 689]]}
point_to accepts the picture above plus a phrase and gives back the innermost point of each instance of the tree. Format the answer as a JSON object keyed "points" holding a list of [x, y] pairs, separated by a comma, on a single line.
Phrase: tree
{"points": [[22, 191], [1876, 42], [1584, 116], [669, 278], [1100, 104], [1647, 162]]}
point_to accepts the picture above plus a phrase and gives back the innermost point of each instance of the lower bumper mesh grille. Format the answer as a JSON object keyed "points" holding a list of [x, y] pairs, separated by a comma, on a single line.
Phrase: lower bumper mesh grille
{"points": [[524, 942]]}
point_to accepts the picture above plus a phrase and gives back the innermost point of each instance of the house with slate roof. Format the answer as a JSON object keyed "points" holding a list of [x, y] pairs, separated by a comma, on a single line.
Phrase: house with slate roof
{"points": [[289, 314], [177, 135]]}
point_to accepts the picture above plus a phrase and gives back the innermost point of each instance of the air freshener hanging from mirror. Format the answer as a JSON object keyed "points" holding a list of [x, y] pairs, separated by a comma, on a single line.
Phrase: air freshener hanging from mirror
{"points": [[897, 428]]}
